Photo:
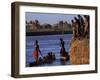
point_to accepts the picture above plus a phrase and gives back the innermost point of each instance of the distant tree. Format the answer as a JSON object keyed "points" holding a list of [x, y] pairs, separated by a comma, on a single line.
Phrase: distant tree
{"points": [[61, 22], [66, 22], [31, 22], [37, 23], [48, 26]]}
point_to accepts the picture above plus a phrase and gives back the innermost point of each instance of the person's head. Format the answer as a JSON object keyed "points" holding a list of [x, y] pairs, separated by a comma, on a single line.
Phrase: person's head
{"points": [[36, 41], [75, 18], [44, 57], [49, 53], [86, 17], [78, 16], [72, 21], [61, 39]]}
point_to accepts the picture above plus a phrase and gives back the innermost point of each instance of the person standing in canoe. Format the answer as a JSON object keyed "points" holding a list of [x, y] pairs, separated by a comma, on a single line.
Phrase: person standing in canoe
{"points": [[36, 51], [63, 53]]}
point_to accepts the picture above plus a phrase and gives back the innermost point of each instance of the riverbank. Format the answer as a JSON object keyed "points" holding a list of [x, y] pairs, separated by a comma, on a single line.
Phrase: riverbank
{"points": [[47, 33]]}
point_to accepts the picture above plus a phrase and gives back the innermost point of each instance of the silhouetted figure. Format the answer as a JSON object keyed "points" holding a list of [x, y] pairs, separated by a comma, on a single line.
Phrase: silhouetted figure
{"points": [[50, 57], [80, 19], [86, 24], [36, 51], [45, 59], [81, 25], [63, 53], [74, 29], [78, 27]]}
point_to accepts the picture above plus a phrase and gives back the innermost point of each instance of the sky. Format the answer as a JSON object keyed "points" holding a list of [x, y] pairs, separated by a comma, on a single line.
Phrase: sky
{"points": [[49, 18]]}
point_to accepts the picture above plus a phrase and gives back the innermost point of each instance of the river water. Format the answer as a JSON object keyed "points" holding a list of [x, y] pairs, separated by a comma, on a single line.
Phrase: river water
{"points": [[47, 44]]}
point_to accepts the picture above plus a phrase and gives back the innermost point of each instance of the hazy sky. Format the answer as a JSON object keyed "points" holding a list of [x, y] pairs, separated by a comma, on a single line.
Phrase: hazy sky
{"points": [[49, 18]]}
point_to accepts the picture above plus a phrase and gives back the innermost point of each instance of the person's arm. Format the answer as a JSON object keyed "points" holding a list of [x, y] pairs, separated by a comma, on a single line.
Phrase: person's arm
{"points": [[34, 45]]}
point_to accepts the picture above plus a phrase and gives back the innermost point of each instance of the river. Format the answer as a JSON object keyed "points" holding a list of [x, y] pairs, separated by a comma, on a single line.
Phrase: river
{"points": [[47, 44]]}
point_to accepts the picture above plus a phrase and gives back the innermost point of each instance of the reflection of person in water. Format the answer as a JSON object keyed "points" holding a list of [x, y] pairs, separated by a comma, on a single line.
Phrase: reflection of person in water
{"points": [[36, 51]]}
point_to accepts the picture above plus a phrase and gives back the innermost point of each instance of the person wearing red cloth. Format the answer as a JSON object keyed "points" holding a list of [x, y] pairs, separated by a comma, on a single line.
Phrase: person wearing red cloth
{"points": [[36, 51]]}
